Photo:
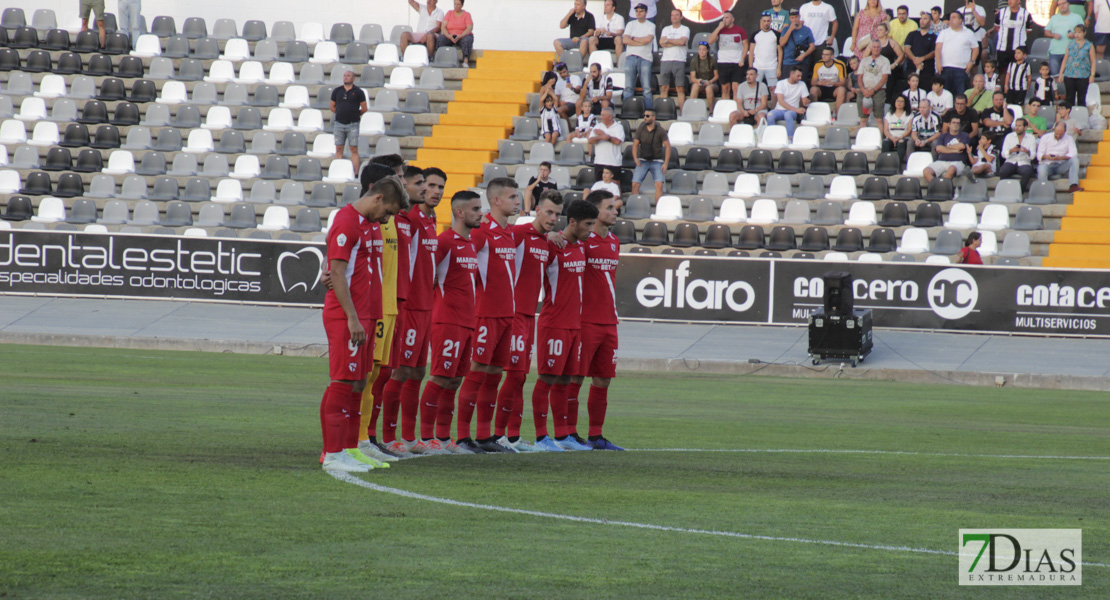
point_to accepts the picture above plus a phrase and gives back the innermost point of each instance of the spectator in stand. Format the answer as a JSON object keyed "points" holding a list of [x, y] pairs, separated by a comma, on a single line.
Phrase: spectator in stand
{"points": [[792, 98], [779, 16], [586, 123], [901, 27], [1044, 87], [457, 30], [1018, 150], [925, 127], [975, 20], [605, 139], [649, 6], [1078, 69], [704, 75], [651, 151], [978, 96], [1034, 122], [582, 27], [896, 56], [88, 7], [853, 79], [1061, 28], [752, 99], [913, 94], [129, 19], [969, 254], [1075, 126], [536, 186], [990, 75], [563, 87], [672, 66], [830, 80], [732, 47], [550, 126], [863, 28], [639, 37], [957, 53], [1013, 26], [348, 103], [765, 54], [798, 44], [998, 119], [818, 16], [1056, 155], [953, 150], [427, 24], [1101, 12], [937, 23], [608, 31], [984, 160], [920, 49], [969, 118], [609, 184], [940, 99], [874, 74], [1078, 7], [597, 91], [896, 129], [1018, 78]]}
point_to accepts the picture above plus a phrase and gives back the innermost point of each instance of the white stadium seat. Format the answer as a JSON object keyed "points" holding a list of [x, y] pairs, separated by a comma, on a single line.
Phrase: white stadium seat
{"points": [[746, 186]]}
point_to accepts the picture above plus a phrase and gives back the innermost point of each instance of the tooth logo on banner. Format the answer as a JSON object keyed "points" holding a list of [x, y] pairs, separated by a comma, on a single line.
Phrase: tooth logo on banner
{"points": [[300, 269], [703, 11], [953, 294]]}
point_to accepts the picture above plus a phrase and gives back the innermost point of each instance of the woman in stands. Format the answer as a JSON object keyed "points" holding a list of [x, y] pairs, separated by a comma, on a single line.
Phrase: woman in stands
{"points": [[457, 30], [969, 254], [896, 125], [863, 30]]}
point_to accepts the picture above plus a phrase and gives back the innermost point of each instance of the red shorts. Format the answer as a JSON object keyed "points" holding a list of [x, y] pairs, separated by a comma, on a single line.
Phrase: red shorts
{"points": [[559, 351], [493, 341], [599, 350], [416, 327], [395, 344], [450, 350], [349, 362], [524, 335]]}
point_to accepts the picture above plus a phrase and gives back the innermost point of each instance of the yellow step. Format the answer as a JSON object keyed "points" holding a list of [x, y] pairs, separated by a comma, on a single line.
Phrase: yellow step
{"points": [[482, 144], [1079, 251], [494, 74], [1099, 238], [1073, 223], [1075, 263], [489, 98], [1098, 172], [477, 121], [467, 156], [513, 89], [466, 167], [1088, 209], [458, 131], [478, 109], [1100, 159]]}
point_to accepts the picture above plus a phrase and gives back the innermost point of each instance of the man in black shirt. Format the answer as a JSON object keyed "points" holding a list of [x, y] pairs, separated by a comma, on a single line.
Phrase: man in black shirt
{"points": [[348, 102], [536, 186], [969, 118], [920, 49], [582, 25]]}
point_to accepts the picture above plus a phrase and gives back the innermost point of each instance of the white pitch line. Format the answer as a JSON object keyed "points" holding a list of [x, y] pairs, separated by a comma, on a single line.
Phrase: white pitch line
{"points": [[348, 478], [885, 452]]}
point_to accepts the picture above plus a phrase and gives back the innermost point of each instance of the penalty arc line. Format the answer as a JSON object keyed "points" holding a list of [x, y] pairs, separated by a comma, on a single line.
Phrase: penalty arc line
{"points": [[348, 478], [881, 452]]}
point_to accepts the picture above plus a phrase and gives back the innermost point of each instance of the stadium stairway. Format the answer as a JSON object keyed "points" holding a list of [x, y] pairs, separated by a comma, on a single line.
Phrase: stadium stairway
{"points": [[467, 135], [1083, 241]]}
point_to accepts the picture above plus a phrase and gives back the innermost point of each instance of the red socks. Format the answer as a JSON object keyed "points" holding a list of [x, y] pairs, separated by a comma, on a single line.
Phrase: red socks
{"points": [[468, 399], [410, 405], [354, 419], [429, 410], [598, 401], [391, 403], [511, 390], [376, 393], [445, 413], [339, 405], [559, 410], [487, 404], [572, 406], [540, 402]]}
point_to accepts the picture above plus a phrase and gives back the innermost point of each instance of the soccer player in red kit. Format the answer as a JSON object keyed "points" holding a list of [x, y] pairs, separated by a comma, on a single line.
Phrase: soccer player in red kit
{"points": [[493, 330], [452, 323], [557, 345], [599, 322], [415, 315], [532, 254], [351, 309]]}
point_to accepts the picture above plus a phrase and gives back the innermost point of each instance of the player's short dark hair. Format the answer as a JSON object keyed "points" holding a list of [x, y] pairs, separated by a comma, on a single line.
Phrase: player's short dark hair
{"points": [[412, 171], [435, 171], [904, 7], [1023, 121], [553, 196], [596, 197], [798, 69], [464, 196], [954, 13], [580, 210], [393, 161], [546, 164], [993, 63], [372, 173], [392, 190], [498, 184]]}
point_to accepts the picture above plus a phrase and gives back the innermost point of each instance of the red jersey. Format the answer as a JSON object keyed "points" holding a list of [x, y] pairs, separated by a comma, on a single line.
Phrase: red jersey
{"points": [[351, 239], [562, 301], [532, 256], [456, 269], [404, 238], [422, 260], [599, 283], [377, 248], [496, 250]]}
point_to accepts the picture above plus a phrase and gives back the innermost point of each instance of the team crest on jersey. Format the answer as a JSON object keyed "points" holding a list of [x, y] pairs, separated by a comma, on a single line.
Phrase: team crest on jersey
{"points": [[342, 240], [613, 247], [516, 359], [551, 362], [352, 366], [446, 365], [408, 353], [480, 350]]}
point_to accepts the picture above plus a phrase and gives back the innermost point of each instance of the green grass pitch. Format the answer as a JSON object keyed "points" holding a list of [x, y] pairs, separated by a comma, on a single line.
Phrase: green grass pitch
{"points": [[134, 474]]}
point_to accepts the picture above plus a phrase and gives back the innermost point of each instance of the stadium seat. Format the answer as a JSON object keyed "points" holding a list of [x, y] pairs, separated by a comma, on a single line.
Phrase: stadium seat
{"points": [[1007, 191], [855, 163], [1041, 192], [862, 214], [791, 162], [974, 191], [916, 163], [228, 190], [197, 190], [1028, 218], [948, 242], [147, 46], [694, 110], [843, 187], [940, 189], [325, 53], [665, 109], [120, 162], [311, 33], [782, 237], [928, 214], [817, 114], [722, 110], [637, 206], [309, 121], [281, 119], [751, 238], [51, 210], [815, 239], [822, 163], [848, 239], [837, 138], [138, 138], [200, 142], [215, 166], [995, 217], [308, 169], [668, 208], [1015, 245], [340, 171], [796, 212], [697, 159], [760, 161], [246, 167], [654, 234], [875, 188], [19, 84], [386, 55], [251, 71], [805, 138], [741, 136], [868, 139], [961, 216], [773, 138], [895, 214], [680, 134], [764, 212], [715, 184], [829, 212], [69, 185], [989, 244], [686, 235], [835, 257], [106, 137], [25, 157], [221, 71], [848, 115], [811, 187], [32, 109], [51, 86], [276, 218]]}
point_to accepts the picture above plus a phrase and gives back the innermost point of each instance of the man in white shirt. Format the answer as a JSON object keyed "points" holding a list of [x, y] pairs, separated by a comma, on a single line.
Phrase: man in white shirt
{"points": [[639, 37], [957, 52], [1056, 155], [651, 10], [672, 66], [792, 95], [606, 139], [817, 16], [765, 54], [732, 49], [609, 28], [940, 99], [426, 26], [1018, 150]]}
